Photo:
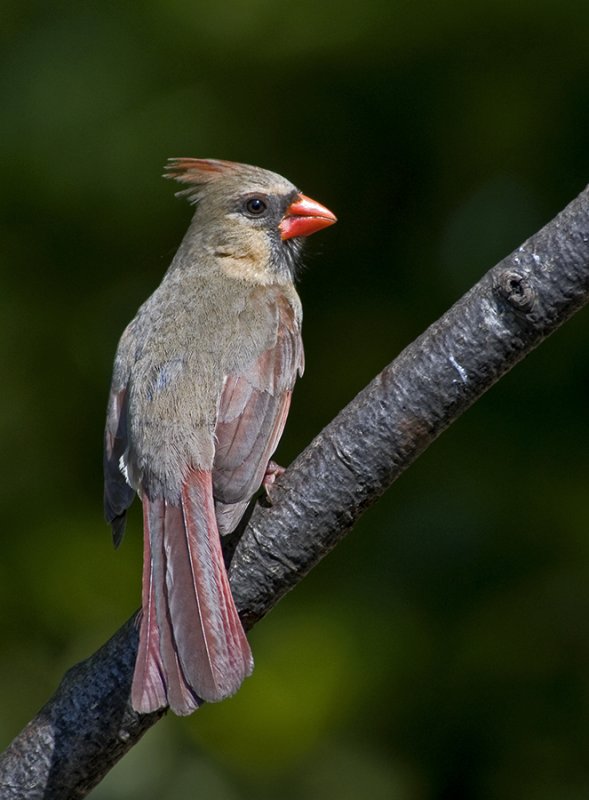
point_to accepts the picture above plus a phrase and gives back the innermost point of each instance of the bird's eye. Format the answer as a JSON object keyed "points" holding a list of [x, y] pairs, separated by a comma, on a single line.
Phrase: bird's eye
{"points": [[255, 206]]}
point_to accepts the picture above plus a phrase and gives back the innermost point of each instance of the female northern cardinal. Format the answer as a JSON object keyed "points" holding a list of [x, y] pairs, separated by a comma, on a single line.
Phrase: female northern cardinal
{"points": [[200, 393]]}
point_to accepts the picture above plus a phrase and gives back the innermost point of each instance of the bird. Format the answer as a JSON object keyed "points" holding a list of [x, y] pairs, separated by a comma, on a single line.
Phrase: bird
{"points": [[201, 388]]}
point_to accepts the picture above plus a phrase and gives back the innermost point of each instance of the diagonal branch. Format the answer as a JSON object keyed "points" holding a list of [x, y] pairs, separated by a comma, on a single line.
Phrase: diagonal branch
{"points": [[88, 724]]}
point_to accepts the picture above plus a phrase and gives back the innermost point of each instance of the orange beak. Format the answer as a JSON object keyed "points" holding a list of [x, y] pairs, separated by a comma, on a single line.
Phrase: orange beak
{"points": [[304, 217]]}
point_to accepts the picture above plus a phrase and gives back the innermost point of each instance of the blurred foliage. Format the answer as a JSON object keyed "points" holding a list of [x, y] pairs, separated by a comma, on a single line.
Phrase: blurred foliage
{"points": [[443, 650]]}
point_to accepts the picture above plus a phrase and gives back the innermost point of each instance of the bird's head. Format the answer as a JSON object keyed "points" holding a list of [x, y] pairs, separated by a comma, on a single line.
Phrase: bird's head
{"points": [[248, 215]]}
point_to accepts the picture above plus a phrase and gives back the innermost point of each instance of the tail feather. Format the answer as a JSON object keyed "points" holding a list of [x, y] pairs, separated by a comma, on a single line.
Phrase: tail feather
{"points": [[227, 650], [179, 692], [149, 685], [192, 644]]}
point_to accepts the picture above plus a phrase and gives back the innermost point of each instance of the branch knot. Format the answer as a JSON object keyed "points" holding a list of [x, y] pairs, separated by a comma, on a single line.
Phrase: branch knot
{"points": [[515, 288]]}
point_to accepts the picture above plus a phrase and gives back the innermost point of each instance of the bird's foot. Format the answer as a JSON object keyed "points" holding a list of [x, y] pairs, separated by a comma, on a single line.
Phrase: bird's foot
{"points": [[273, 471]]}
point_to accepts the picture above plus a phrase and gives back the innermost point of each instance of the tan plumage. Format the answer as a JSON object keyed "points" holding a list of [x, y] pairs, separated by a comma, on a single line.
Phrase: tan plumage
{"points": [[200, 393]]}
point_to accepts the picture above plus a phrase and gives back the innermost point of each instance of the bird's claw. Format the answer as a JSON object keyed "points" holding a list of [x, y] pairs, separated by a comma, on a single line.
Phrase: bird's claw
{"points": [[273, 471]]}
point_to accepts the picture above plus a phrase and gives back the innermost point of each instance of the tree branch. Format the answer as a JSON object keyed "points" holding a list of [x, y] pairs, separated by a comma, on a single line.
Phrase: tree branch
{"points": [[88, 724]]}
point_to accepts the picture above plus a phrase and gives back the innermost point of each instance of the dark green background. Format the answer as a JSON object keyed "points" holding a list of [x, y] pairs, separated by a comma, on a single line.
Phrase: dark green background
{"points": [[443, 650]]}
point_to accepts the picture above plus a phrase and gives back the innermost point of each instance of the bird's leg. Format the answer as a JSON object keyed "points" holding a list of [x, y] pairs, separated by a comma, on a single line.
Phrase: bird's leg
{"points": [[273, 471]]}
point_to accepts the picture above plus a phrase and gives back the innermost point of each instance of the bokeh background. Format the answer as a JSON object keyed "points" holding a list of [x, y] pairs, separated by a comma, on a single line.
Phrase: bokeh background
{"points": [[443, 650]]}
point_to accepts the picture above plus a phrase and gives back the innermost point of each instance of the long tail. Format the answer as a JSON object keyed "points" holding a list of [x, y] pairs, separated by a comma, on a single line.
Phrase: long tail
{"points": [[192, 645]]}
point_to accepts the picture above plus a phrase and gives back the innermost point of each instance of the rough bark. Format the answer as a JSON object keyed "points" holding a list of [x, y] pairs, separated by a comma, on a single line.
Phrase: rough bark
{"points": [[88, 724]]}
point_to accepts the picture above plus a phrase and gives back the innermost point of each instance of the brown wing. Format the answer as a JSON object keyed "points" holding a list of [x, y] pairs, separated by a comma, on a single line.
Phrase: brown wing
{"points": [[118, 495], [252, 414]]}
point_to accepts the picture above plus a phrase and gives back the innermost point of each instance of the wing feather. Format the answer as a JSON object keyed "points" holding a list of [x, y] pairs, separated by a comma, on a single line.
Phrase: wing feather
{"points": [[118, 495], [252, 414]]}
